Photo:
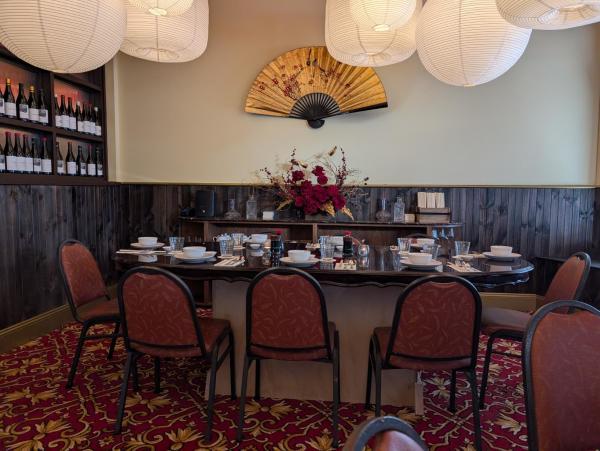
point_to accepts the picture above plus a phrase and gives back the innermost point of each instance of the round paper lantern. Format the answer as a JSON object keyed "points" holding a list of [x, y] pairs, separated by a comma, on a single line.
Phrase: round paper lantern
{"points": [[549, 14], [349, 44], [381, 15], [467, 42], [163, 7], [63, 35], [167, 39]]}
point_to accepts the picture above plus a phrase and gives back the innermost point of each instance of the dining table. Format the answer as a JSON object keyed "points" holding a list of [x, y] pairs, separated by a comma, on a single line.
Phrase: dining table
{"points": [[358, 299]]}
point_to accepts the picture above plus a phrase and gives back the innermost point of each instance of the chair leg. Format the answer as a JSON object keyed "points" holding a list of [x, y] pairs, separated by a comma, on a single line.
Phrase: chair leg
{"points": [[369, 380], [77, 355], [134, 371], [452, 405], [486, 370], [476, 420], [336, 388], [240, 430], [211, 393], [113, 341], [233, 389], [156, 375], [257, 380], [124, 384], [377, 386]]}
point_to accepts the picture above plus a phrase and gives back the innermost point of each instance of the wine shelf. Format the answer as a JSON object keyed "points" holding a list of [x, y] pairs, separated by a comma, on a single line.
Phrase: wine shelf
{"points": [[78, 81], [26, 126], [76, 135], [50, 179]]}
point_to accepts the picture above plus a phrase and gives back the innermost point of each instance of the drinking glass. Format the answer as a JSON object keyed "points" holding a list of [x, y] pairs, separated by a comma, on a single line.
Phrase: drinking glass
{"points": [[363, 250], [226, 247], [403, 244], [176, 243], [461, 247], [432, 249], [327, 250], [238, 239]]}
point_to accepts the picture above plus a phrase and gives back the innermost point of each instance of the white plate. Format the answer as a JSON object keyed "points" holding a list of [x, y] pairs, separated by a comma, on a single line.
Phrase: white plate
{"points": [[183, 258], [427, 266], [465, 257], [501, 258], [328, 260], [147, 246], [288, 261]]}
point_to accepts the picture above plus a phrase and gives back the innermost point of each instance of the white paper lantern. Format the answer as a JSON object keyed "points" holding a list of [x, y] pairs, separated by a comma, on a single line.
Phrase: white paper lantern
{"points": [[167, 39], [163, 7], [349, 44], [550, 14], [63, 35], [467, 42], [381, 15]]}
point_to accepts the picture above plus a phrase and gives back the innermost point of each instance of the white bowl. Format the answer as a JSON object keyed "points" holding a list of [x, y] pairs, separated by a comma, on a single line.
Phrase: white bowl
{"points": [[147, 240], [424, 241], [259, 237], [501, 250], [194, 251], [419, 258], [299, 255]]}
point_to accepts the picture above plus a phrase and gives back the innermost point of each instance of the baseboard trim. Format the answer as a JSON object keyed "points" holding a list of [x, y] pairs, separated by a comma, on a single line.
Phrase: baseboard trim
{"points": [[525, 302], [35, 327]]}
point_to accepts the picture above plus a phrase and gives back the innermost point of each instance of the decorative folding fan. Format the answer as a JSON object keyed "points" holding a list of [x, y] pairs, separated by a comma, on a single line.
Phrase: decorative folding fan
{"points": [[307, 83]]}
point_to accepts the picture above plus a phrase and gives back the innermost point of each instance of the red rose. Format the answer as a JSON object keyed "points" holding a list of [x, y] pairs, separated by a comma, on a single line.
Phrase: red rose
{"points": [[297, 176], [318, 171], [320, 194], [333, 190], [322, 180], [299, 201], [339, 202]]}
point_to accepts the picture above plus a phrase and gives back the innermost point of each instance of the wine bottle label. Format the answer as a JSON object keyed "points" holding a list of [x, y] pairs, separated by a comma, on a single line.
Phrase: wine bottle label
{"points": [[2, 111], [60, 167], [34, 114], [2, 163], [24, 111], [80, 127], [37, 165], [71, 168], [100, 170], [64, 120], [11, 163], [91, 169], [58, 120], [21, 164], [43, 116], [28, 164], [83, 169], [72, 123], [11, 109], [98, 130], [47, 166]]}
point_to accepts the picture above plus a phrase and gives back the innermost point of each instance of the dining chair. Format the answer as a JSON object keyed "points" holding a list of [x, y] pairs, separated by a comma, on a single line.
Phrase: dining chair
{"points": [[435, 328], [159, 319], [391, 434], [87, 297], [286, 319], [498, 323], [561, 366]]}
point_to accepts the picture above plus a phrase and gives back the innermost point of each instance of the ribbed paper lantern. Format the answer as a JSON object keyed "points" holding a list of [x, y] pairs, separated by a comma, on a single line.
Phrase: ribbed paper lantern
{"points": [[63, 35], [381, 15], [163, 7], [549, 14], [167, 39], [347, 43], [467, 42]]}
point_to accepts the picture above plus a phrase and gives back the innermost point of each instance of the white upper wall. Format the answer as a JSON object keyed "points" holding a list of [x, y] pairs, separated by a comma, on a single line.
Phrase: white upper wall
{"points": [[185, 123]]}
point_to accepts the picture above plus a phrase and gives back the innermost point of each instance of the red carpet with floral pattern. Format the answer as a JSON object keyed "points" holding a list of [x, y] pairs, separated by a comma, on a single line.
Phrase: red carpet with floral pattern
{"points": [[37, 412]]}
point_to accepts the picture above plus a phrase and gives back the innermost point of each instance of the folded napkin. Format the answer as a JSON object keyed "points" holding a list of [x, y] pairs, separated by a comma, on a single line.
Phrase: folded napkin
{"points": [[231, 262], [464, 268], [139, 252]]}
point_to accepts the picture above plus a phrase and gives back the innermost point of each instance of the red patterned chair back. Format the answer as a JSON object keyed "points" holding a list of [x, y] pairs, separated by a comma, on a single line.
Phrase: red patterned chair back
{"points": [[81, 275], [436, 318], [285, 310], [157, 311], [561, 362], [569, 281], [388, 434]]}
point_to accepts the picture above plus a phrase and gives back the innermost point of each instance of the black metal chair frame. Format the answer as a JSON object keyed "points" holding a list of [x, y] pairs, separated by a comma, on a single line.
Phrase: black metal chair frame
{"points": [[513, 335], [87, 324], [376, 365], [215, 357], [333, 354], [364, 432], [526, 359]]}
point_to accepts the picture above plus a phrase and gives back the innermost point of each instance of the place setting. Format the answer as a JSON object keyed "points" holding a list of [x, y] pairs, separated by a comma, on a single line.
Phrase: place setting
{"points": [[299, 259], [501, 253], [194, 254]]}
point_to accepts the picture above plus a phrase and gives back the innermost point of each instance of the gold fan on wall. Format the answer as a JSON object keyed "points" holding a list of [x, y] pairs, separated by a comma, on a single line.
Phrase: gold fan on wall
{"points": [[308, 83]]}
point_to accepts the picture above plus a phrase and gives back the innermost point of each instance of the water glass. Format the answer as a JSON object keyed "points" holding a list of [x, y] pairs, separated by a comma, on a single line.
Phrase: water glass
{"points": [[176, 243], [327, 250], [363, 250], [238, 239], [403, 244], [226, 247], [461, 247], [432, 249]]}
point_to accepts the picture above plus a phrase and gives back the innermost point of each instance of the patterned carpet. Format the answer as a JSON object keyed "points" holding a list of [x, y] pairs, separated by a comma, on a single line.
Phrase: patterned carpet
{"points": [[38, 413]]}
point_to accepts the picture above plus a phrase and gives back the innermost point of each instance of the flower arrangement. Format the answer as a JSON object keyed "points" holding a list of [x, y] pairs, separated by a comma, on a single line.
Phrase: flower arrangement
{"points": [[320, 185]]}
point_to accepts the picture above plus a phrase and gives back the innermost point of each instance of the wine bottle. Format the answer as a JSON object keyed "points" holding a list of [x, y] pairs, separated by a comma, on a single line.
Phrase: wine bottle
{"points": [[72, 119], [81, 162], [2, 160], [10, 107], [71, 162], [22, 107], [98, 128], [37, 157], [28, 155], [90, 120], [2, 110], [79, 118], [91, 162], [42, 108], [99, 163], [57, 113], [34, 112], [60, 161], [46, 158], [19, 153], [64, 113], [11, 156], [86, 123]]}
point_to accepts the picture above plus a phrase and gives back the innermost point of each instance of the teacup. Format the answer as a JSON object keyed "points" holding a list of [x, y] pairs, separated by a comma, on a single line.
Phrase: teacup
{"points": [[194, 251], [259, 237], [147, 240], [299, 255], [419, 258], [425, 241], [501, 251]]}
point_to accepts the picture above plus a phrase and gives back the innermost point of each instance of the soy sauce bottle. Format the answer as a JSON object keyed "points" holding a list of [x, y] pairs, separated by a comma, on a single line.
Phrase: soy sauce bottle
{"points": [[276, 248], [347, 251]]}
